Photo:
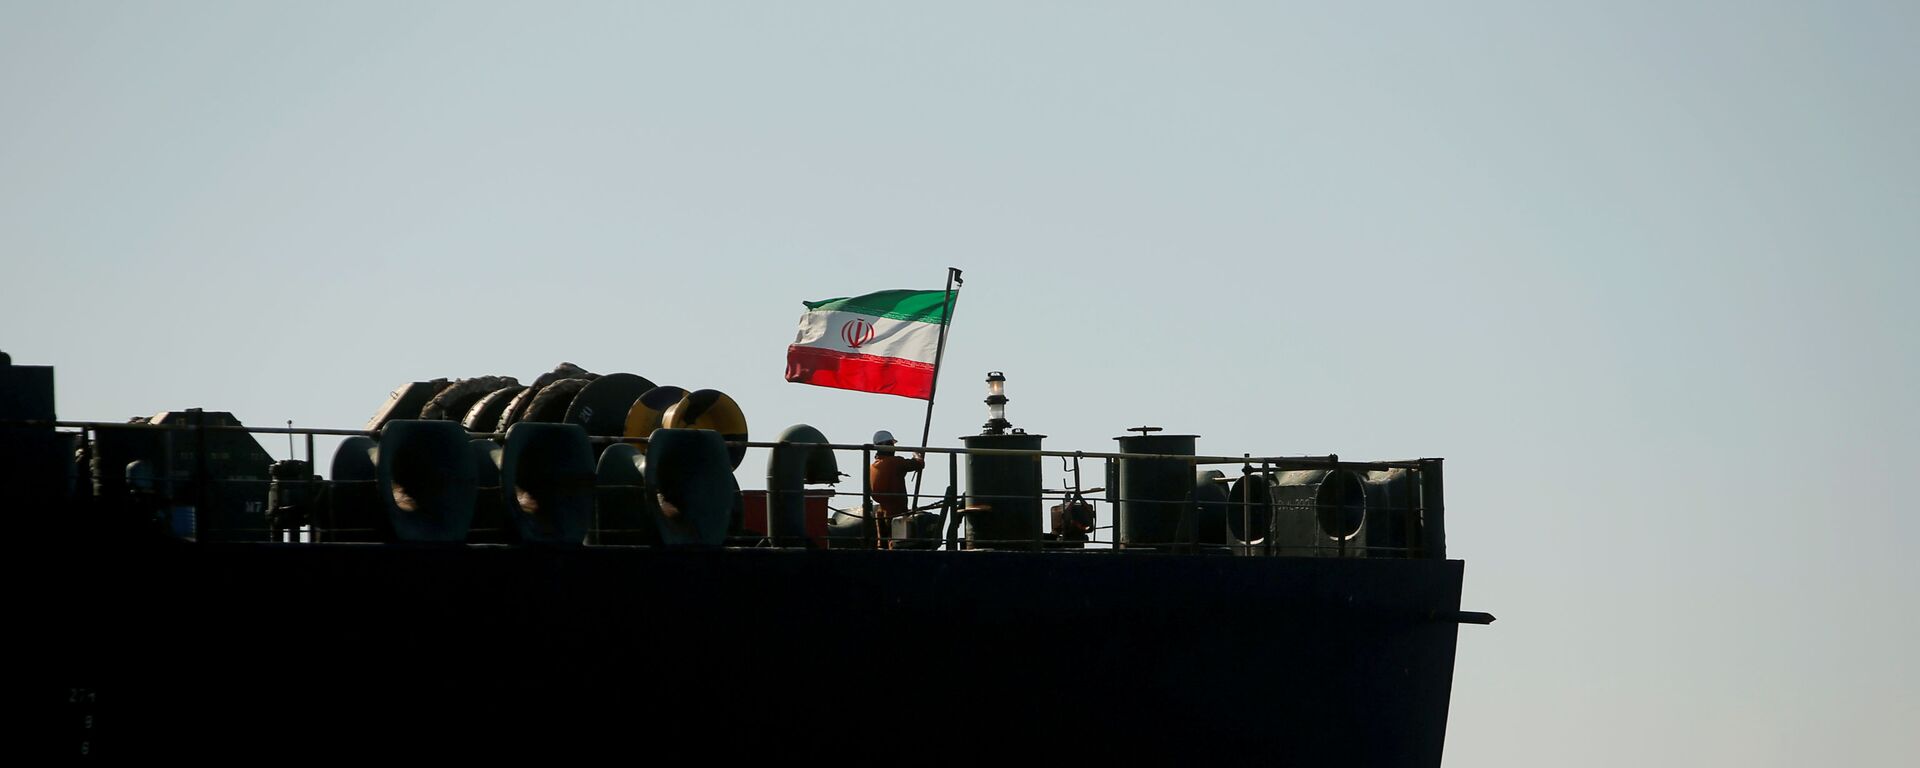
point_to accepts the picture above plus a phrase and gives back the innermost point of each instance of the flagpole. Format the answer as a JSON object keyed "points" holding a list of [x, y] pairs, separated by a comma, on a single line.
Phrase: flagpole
{"points": [[939, 353]]}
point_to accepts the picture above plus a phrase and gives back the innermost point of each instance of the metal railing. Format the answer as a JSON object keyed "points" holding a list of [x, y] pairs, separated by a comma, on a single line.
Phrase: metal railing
{"points": [[1417, 504]]}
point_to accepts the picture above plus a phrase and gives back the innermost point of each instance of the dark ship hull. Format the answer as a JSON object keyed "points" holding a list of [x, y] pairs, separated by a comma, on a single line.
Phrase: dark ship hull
{"points": [[250, 651]]}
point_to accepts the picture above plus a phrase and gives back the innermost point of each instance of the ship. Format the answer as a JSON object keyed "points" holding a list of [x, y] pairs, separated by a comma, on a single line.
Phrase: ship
{"points": [[571, 570]]}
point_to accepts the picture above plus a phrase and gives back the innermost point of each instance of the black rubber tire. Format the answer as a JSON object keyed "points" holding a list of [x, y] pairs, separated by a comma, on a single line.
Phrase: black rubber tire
{"points": [[485, 414], [562, 372], [517, 408], [451, 404], [550, 405]]}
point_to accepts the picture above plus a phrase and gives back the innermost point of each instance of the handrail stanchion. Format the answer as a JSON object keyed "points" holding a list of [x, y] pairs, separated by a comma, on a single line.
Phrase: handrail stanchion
{"points": [[1410, 520], [1247, 509], [312, 495], [953, 503], [1433, 512], [1113, 503], [1267, 547], [771, 498], [1339, 511], [86, 469], [199, 472], [1040, 503], [866, 494], [1192, 513]]}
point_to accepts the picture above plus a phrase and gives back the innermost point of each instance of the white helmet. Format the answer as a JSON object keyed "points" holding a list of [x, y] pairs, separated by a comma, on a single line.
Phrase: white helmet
{"points": [[883, 437]]}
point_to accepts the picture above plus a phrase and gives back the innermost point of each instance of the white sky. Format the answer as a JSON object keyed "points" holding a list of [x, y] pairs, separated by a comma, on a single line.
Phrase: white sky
{"points": [[1643, 272]]}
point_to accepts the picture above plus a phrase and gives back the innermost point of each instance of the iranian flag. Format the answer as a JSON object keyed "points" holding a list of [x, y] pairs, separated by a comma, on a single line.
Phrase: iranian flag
{"points": [[886, 342]]}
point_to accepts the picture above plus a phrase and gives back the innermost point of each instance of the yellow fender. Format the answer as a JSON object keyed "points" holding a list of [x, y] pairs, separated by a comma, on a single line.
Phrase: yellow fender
{"points": [[710, 409], [644, 417]]}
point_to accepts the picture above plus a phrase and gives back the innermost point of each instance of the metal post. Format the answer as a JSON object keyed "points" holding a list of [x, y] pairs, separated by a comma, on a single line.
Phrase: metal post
{"points": [[1433, 515], [1341, 542], [773, 501], [1247, 509], [313, 496], [86, 452], [1190, 517], [199, 473], [939, 352], [866, 493], [953, 505], [1266, 485], [1040, 503], [1410, 516]]}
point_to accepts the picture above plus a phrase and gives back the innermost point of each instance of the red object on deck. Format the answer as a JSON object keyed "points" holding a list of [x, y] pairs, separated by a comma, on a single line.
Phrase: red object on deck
{"points": [[817, 514]]}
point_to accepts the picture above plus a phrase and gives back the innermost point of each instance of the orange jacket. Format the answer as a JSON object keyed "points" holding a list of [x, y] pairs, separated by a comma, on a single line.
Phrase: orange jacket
{"points": [[888, 478]]}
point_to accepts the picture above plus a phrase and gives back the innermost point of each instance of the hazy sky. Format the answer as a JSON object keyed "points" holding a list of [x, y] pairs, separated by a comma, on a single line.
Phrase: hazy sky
{"points": [[1642, 272]]}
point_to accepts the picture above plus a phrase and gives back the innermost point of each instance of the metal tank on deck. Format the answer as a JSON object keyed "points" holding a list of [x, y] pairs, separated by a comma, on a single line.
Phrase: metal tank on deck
{"points": [[1154, 492], [1003, 492]]}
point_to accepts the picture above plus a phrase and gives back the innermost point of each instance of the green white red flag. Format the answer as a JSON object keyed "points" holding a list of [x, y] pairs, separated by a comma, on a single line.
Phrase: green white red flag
{"points": [[886, 342]]}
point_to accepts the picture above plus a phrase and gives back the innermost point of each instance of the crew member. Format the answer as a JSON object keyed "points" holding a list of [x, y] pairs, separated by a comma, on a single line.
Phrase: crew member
{"points": [[887, 479]]}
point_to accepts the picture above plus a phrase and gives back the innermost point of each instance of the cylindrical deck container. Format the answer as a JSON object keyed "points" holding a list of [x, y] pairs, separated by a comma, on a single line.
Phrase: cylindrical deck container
{"points": [[1003, 493], [1153, 492]]}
